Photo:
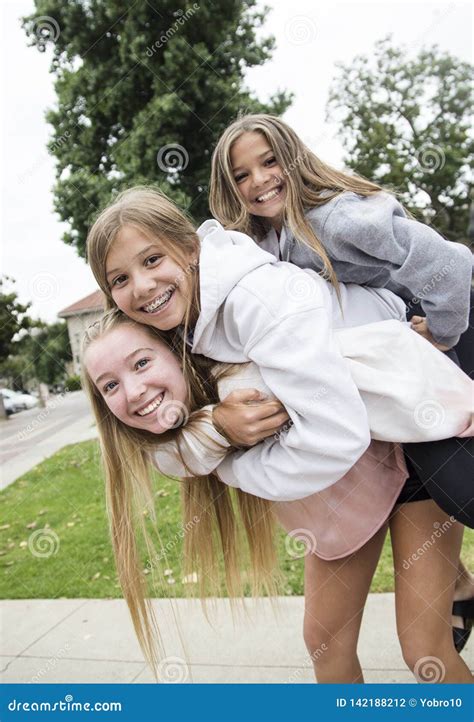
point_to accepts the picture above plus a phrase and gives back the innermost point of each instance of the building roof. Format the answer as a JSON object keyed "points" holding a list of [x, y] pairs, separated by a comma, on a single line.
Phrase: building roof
{"points": [[93, 302]]}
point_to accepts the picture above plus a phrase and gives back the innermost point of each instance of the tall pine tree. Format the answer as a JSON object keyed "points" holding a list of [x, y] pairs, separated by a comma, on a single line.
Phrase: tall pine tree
{"points": [[143, 92]]}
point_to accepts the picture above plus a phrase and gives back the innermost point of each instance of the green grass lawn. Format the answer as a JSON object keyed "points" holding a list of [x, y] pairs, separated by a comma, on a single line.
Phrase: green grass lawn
{"points": [[54, 538]]}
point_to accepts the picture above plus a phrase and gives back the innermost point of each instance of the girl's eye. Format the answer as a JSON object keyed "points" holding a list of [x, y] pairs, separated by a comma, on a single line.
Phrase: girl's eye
{"points": [[240, 177], [109, 386], [119, 280], [270, 161], [141, 363], [152, 260]]}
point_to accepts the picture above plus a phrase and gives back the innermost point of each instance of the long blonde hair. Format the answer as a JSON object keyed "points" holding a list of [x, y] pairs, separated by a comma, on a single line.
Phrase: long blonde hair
{"points": [[310, 182], [220, 522]]}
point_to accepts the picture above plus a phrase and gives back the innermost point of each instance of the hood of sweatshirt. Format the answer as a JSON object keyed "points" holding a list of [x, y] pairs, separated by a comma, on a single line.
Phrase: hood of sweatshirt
{"points": [[226, 257]]}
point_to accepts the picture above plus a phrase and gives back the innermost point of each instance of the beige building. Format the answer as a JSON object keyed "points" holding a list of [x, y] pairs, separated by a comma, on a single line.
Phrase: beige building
{"points": [[78, 317]]}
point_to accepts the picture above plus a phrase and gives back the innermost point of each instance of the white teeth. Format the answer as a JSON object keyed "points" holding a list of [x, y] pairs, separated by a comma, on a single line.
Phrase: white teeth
{"points": [[158, 302], [152, 406], [268, 196]]}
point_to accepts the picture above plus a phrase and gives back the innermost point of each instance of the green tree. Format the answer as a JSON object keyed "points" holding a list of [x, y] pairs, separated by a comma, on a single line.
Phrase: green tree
{"points": [[13, 317], [405, 123], [41, 355], [143, 93], [50, 351]]}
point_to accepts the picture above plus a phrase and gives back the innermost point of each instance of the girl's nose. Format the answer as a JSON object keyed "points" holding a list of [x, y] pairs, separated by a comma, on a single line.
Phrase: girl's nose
{"points": [[135, 390], [143, 285], [260, 177]]}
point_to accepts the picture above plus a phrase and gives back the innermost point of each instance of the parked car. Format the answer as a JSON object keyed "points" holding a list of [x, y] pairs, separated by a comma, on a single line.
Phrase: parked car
{"points": [[15, 401], [9, 403]]}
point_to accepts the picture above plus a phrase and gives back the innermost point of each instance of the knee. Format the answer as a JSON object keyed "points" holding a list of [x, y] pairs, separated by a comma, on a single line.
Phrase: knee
{"points": [[316, 638], [423, 655], [324, 645]]}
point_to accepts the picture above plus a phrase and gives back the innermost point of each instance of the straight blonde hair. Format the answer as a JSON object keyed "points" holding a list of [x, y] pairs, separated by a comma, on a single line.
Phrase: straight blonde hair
{"points": [[223, 526], [309, 181]]}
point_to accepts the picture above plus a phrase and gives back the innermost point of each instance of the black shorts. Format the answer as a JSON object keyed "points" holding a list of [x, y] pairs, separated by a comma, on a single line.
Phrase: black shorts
{"points": [[413, 489], [443, 470]]}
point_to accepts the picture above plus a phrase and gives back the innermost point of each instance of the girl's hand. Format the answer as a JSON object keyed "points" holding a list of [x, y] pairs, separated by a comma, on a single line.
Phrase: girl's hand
{"points": [[246, 417], [419, 324]]}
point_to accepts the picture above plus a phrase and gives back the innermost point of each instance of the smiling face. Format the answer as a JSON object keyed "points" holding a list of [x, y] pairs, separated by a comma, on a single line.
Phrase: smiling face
{"points": [[139, 378], [260, 180], [145, 283]]}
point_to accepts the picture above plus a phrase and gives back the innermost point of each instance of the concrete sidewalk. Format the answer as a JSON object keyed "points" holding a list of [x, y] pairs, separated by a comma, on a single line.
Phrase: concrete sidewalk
{"points": [[92, 640]]}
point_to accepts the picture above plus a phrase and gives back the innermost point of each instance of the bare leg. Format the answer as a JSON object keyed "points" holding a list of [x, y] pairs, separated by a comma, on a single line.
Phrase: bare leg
{"points": [[335, 596], [426, 545]]}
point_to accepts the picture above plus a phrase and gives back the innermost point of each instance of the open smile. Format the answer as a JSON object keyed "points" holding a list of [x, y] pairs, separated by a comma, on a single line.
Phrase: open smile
{"points": [[269, 195], [159, 303], [151, 406]]}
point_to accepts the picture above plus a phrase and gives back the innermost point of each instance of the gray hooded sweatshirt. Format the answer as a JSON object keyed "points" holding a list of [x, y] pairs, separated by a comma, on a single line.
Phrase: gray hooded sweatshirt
{"points": [[370, 241]]}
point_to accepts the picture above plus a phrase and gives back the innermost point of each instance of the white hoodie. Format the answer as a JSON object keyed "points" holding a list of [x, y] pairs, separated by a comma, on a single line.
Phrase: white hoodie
{"points": [[279, 316]]}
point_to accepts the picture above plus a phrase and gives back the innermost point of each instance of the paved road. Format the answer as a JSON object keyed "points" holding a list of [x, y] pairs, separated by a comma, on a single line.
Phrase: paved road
{"points": [[29, 437]]}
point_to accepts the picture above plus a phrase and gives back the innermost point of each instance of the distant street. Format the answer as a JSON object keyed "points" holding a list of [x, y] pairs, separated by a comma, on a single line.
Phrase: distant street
{"points": [[31, 436]]}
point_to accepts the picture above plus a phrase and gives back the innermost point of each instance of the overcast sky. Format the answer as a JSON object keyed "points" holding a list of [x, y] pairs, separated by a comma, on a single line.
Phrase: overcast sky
{"points": [[310, 39]]}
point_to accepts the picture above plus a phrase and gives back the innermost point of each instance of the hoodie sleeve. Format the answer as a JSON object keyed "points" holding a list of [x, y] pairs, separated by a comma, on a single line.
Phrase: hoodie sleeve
{"points": [[202, 446], [283, 324], [376, 231]]}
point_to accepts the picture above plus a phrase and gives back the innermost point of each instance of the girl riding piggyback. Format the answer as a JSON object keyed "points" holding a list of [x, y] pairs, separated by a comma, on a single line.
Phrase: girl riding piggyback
{"points": [[266, 183]]}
